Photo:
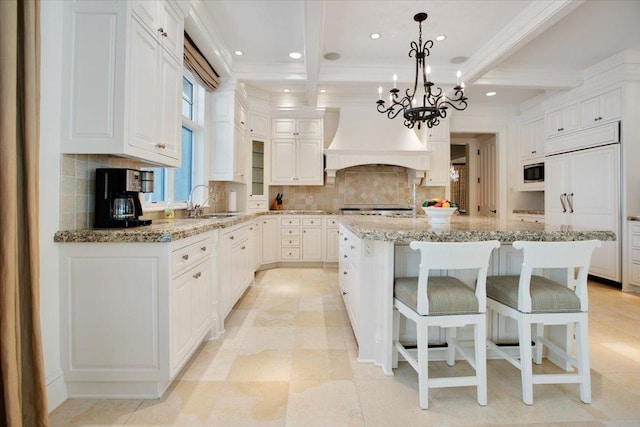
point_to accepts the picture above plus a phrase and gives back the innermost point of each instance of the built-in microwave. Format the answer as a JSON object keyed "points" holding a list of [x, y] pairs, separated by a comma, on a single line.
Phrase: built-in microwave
{"points": [[533, 172]]}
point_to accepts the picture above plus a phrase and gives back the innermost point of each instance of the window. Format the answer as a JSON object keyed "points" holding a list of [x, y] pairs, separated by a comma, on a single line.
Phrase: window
{"points": [[174, 184]]}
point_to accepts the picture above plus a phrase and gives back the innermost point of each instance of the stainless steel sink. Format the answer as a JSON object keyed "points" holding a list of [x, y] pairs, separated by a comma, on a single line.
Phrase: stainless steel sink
{"points": [[217, 216]]}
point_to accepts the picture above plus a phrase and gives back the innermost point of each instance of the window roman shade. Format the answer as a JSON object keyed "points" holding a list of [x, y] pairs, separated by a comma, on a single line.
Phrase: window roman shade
{"points": [[202, 70]]}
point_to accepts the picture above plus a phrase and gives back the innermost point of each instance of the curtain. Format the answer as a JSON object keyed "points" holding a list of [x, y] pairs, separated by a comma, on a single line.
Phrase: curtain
{"points": [[195, 61], [23, 399]]}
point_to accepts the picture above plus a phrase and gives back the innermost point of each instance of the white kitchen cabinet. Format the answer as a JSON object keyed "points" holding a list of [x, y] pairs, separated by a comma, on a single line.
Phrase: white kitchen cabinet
{"points": [[258, 125], [133, 313], [235, 266], [633, 243], [270, 240], [255, 243], [532, 140], [601, 108], [229, 146], [332, 244], [529, 218], [312, 236], [562, 120], [122, 79], [349, 276], [257, 200], [296, 152], [439, 163], [582, 189]]}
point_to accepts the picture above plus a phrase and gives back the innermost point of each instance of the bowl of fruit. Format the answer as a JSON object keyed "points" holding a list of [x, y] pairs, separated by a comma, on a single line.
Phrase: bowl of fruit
{"points": [[439, 210]]}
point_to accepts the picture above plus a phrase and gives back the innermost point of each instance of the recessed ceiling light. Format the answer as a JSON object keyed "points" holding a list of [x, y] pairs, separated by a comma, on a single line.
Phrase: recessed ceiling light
{"points": [[323, 91], [238, 52], [287, 90], [491, 94], [374, 36], [295, 55], [440, 38], [332, 56], [458, 60]]}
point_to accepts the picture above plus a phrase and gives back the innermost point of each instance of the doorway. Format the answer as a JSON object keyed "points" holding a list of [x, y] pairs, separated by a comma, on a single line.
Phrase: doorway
{"points": [[474, 158]]}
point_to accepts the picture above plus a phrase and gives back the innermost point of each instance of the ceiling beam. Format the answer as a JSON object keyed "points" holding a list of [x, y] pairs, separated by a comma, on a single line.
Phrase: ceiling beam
{"points": [[313, 36], [535, 19]]}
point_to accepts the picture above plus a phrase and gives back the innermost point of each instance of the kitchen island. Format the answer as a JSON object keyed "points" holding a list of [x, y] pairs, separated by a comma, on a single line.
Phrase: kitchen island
{"points": [[374, 250]]}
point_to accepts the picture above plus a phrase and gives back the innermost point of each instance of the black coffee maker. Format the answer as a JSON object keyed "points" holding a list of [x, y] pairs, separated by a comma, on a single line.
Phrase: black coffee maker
{"points": [[117, 199]]}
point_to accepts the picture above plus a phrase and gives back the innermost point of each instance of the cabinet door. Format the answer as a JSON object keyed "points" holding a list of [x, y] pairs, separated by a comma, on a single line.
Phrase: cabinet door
{"points": [[312, 244], [562, 120], [309, 128], [611, 105], [170, 28], [255, 230], [170, 120], [309, 162], [183, 294], [258, 125], [202, 299], [283, 128], [143, 100], [532, 140], [438, 173], [269, 240], [555, 185], [331, 253], [239, 154], [283, 161]]}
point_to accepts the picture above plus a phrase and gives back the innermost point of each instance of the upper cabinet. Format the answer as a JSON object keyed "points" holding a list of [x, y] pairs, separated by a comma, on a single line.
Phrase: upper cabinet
{"points": [[601, 108], [229, 148], [532, 140], [296, 151], [258, 125], [562, 120], [438, 142], [122, 76]]}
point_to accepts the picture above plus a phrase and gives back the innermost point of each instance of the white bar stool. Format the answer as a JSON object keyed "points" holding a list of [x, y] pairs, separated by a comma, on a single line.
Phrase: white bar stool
{"points": [[446, 302], [537, 301]]}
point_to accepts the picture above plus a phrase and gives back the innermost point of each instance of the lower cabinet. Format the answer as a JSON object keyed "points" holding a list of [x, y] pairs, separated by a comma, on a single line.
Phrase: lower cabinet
{"points": [[349, 275], [331, 247], [133, 313], [634, 253], [270, 240], [235, 266]]}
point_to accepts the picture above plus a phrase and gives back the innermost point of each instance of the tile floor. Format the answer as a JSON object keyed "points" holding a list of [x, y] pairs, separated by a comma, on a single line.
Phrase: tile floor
{"points": [[288, 358]]}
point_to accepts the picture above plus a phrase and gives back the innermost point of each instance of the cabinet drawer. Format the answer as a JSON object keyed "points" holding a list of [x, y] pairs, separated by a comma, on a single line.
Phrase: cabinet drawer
{"points": [[635, 255], [312, 222], [635, 273], [290, 241], [289, 222], [189, 255], [286, 232], [635, 240], [290, 253], [257, 204], [332, 222]]}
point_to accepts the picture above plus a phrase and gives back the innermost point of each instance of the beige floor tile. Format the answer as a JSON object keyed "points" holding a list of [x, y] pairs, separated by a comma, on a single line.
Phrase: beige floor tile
{"points": [[323, 403], [251, 404], [275, 318], [267, 365], [186, 403], [610, 401], [268, 338], [320, 319], [320, 303], [320, 365], [319, 338], [82, 412], [211, 362]]}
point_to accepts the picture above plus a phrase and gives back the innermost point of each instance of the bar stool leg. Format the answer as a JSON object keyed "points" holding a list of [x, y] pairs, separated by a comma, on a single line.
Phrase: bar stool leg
{"points": [[539, 332], [423, 364], [582, 344], [526, 368], [395, 338], [480, 339], [450, 334]]}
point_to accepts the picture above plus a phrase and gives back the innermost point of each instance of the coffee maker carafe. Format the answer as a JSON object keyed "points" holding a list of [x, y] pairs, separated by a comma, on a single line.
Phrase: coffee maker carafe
{"points": [[117, 199]]}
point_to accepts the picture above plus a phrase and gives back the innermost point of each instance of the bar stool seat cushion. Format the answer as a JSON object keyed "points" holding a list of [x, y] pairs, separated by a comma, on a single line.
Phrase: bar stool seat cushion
{"points": [[547, 296], [446, 295]]}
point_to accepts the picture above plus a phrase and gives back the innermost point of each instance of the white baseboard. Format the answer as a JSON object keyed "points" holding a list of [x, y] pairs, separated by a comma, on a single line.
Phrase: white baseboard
{"points": [[56, 390]]}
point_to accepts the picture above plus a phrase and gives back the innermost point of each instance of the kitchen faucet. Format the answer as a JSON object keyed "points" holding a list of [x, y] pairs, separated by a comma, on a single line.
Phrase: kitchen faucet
{"points": [[196, 210]]}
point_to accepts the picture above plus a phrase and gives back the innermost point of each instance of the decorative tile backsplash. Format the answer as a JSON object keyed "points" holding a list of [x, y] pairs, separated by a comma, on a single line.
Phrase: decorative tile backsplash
{"points": [[361, 186]]}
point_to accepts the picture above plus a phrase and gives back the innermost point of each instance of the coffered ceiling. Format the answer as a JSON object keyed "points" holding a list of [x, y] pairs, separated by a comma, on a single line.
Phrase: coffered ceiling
{"points": [[516, 48]]}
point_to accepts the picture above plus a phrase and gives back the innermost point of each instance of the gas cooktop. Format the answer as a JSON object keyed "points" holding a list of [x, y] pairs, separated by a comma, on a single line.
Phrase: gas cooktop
{"points": [[386, 211]]}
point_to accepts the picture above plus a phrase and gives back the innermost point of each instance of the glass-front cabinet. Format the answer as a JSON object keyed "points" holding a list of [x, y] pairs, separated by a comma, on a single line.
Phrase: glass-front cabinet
{"points": [[258, 190]]}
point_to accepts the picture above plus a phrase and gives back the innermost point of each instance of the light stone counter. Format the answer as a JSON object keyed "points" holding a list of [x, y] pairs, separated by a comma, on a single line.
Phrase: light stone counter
{"points": [[464, 229], [167, 230]]}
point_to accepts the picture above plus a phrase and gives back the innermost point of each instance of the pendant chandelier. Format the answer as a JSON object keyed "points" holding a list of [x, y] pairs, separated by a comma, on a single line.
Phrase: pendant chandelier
{"points": [[434, 103]]}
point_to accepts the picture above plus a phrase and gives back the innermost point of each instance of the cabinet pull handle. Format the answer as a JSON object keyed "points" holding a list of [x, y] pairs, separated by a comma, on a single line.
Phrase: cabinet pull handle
{"points": [[243, 248], [304, 231], [185, 257], [560, 129], [345, 239], [264, 222], [570, 202], [203, 249], [562, 196], [162, 32], [231, 237], [161, 145], [352, 247], [197, 275], [250, 228], [344, 293], [344, 273], [345, 255]]}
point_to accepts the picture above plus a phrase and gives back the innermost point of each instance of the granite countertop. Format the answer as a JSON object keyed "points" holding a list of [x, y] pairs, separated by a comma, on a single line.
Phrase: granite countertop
{"points": [[464, 229], [167, 230], [529, 211]]}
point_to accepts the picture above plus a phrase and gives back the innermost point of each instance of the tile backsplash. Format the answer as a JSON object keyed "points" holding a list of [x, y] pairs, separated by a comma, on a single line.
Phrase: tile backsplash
{"points": [[361, 186]]}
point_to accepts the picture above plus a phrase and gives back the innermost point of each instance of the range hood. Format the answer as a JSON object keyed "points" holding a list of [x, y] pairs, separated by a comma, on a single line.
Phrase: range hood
{"points": [[366, 137]]}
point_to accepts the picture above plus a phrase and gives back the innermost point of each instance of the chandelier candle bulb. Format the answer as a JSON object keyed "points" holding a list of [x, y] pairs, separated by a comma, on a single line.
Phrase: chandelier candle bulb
{"points": [[395, 80], [428, 73], [379, 92], [458, 74]]}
